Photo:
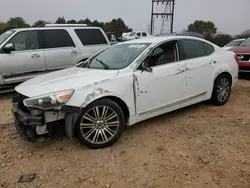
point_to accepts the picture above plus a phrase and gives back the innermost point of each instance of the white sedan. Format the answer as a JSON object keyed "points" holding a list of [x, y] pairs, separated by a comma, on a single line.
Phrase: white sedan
{"points": [[124, 84]]}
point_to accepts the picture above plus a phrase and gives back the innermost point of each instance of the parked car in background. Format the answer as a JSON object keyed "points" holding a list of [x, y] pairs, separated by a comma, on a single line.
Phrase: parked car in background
{"points": [[233, 43], [137, 35], [124, 84], [243, 54], [111, 37], [28, 52], [124, 35]]}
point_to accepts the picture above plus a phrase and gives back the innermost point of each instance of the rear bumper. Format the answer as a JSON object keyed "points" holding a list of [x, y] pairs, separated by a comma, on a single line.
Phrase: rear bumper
{"points": [[244, 67]]}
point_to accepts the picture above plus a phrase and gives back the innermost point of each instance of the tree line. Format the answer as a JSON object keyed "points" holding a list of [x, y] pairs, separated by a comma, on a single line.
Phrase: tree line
{"points": [[117, 26], [209, 31]]}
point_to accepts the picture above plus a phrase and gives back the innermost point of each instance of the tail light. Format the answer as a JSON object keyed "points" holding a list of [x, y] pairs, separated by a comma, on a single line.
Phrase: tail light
{"points": [[236, 58]]}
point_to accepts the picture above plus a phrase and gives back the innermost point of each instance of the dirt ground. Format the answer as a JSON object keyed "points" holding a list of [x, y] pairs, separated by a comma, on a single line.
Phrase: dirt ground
{"points": [[201, 146]]}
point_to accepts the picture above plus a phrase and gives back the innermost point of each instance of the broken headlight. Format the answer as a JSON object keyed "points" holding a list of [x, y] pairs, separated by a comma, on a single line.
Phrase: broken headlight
{"points": [[49, 101]]}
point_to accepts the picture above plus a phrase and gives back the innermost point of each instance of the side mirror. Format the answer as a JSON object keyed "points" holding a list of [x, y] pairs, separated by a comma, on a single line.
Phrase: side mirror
{"points": [[145, 67], [9, 47]]}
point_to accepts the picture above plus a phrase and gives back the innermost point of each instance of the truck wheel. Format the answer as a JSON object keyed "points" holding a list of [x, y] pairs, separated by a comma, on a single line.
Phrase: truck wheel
{"points": [[221, 90], [100, 124]]}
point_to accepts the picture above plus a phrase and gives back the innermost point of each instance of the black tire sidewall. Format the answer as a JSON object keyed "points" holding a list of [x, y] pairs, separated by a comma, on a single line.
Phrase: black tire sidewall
{"points": [[111, 104], [214, 94]]}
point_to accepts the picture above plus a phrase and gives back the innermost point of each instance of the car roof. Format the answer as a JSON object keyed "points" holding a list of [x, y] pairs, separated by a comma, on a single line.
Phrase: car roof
{"points": [[57, 27], [158, 39]]}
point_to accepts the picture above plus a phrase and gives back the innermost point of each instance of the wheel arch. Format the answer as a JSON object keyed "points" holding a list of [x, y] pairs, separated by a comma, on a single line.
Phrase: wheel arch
{"points": [[226, 73], [118, 100]]}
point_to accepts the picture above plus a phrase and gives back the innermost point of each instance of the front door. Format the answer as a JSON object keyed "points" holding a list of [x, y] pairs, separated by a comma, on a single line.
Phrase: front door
{"points": [[199, 65], [165, 86], [26, 61], [59, 49]]}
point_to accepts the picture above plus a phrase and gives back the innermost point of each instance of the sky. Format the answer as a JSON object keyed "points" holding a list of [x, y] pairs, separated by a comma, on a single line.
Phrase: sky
{"points": [[229, 16]]}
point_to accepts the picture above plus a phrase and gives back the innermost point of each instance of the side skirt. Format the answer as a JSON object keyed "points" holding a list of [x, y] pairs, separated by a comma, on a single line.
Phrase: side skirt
{"points": [[169, 108]]}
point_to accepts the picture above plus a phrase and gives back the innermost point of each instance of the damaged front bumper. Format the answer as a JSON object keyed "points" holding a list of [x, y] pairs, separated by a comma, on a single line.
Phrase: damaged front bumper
{"points": [[25, 118], [34, 123]]}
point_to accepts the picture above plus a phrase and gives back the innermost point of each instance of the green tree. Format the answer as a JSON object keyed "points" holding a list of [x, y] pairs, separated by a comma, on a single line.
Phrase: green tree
{"points": [[17, 22], [245, 34], [222, 39], [72, 22], [117, 26], [38, 23], [207, 29], [61, 20]]}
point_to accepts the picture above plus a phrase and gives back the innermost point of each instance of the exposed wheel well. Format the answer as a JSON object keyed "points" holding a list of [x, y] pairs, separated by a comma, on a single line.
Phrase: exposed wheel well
{"points": [[123, 106], [121, 103], [225, 73]]}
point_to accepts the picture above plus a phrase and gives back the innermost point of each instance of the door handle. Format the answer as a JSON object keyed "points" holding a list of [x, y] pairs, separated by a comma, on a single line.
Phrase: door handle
{"points": [[74, 52], [35, 56]]}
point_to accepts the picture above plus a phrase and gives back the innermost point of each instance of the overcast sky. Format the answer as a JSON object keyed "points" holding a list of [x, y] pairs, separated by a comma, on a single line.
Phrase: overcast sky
{"points": [[230, 16]]}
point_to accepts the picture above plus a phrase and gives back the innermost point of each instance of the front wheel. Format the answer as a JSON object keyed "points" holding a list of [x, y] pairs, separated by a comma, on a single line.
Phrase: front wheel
{"points": [[100, 124], [222, 89]]}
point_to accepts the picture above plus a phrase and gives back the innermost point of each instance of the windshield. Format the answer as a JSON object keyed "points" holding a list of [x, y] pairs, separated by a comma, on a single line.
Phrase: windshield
{"points": [[115, 57], [233, 43], [246, 42], [5, 35]]}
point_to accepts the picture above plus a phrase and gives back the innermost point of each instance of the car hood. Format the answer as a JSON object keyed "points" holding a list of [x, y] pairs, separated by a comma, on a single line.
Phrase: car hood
{"points": [[240, 49], [71, 78]]}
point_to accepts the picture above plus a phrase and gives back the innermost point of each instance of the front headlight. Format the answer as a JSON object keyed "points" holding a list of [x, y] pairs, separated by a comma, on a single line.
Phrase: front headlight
{"points": [[49, 101]]}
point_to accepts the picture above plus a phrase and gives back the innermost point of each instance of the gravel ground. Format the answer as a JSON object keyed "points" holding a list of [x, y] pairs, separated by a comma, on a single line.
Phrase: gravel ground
{"points": [[201, 146]]}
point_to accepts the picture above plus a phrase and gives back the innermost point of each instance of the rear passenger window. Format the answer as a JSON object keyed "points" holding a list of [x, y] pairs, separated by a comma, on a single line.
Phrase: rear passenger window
{"points": [[91, 36], [193, 48], [144, 34], [56, 39], [208, 48]]}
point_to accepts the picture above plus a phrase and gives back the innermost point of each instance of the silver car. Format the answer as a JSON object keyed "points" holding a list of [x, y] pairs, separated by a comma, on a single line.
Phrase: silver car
{"points": [[28, 52]]}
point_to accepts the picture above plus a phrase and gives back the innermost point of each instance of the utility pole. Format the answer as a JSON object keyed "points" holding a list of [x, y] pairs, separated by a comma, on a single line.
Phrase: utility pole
{"points": [[165, 12]]}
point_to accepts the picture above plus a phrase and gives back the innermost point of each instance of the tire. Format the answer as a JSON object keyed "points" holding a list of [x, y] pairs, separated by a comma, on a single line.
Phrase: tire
{"points": [[100, 124], [221, 90]]}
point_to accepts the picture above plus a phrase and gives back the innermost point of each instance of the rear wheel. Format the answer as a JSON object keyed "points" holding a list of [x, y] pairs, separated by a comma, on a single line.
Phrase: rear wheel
{"points": [[100, 124], [222, 89]]}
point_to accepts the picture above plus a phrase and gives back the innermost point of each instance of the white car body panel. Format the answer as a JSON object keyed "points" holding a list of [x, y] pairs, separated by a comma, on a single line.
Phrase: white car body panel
{"points": [[167, 88]]}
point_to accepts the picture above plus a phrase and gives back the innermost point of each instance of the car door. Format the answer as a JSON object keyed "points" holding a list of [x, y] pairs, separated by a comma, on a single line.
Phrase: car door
{"points": [[26, 59], [59, 49], [165, 86], [199, 65]]}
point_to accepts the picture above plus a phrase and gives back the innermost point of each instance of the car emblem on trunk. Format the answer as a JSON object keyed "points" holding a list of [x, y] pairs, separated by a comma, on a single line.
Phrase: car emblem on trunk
{"points": [[240, 57]]}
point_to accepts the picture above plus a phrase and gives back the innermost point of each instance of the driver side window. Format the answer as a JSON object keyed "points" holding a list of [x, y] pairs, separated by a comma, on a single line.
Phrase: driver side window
{"points": [[27, 40], [164, 54]]}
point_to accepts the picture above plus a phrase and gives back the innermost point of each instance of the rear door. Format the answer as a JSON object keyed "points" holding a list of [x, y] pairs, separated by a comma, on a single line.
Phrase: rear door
{"points": [[199, 66], [59, 49], [26, 61], [92, 40]]}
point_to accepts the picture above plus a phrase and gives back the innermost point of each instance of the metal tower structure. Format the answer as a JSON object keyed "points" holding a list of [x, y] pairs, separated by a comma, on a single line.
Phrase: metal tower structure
{"points": [[165, 10]]}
